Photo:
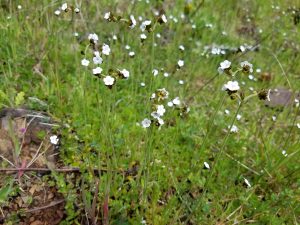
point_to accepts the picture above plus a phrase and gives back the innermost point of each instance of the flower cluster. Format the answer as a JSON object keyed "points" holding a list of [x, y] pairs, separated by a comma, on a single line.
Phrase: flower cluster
{"points": [[145, 25], [218, 50], [54, 139], [66, 8], [99, 52], [233, 87], [177, 104], [158, 99], [247, 67], [225, 67], [158, 108]]}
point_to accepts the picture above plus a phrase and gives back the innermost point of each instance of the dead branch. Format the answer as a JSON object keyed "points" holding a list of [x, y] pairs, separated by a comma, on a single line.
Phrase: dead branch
{"points": [[46, 206], [60, 170]]}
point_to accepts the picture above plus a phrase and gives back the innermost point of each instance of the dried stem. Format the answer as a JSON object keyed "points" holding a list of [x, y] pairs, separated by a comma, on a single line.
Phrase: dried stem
{"points": [[46, 206], [62, 170]]}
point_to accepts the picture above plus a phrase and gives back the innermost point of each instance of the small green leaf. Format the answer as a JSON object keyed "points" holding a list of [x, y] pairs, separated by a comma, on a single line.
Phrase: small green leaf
{"points": [[41, 134], [19, 98], [5, 191]]}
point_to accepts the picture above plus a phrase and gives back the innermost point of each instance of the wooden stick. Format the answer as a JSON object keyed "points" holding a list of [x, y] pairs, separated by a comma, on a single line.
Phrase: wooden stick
{"points": [[46, 206], [63, 170]]}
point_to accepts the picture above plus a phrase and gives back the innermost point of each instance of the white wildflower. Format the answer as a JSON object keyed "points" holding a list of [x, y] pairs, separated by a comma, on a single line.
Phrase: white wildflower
{"points": [[163, 93], [146, 123], [124, 72], [164, 18], [107, 15], [155, 115], [242, 48], [206, 165], [54, 140], [143, 221], [85, 62], [225, 65], [105, 49], [247, 182], [143, 36], [247, 67], [170, 104], [160, 121], [108, 80], [57, 12], [231, 86], [233, 129], [284, 153], [209, 25], [93, 37], [181, 47], [160, 110], [180, 63], [215, 51], [132, 22], [176, 101], [296, 102], [145, 24], [64, 7], [131, 54], [97, 59], [97, 70], [155, 72]]}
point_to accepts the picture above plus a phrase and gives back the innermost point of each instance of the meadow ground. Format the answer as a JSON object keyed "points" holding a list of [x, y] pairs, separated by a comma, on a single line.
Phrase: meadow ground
{"points": [[149, 112]]}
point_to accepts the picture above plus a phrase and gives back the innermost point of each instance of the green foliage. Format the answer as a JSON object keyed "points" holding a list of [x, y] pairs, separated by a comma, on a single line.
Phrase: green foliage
{"points": [[157, 175], [19, 98], [5, 191]]}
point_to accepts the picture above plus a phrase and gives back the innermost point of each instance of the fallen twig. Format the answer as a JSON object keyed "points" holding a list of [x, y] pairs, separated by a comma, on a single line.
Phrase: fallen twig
{"points": [[46, 206], [62, 170]]}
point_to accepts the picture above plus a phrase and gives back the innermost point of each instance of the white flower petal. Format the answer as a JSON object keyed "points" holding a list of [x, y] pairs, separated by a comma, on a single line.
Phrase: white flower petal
{"points": [[97, 70], [108, 80], [85, 62], [54, 140], [105, 49], [146, 123]]}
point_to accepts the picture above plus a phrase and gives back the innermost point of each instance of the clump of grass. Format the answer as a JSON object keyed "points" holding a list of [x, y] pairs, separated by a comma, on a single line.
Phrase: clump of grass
{"points": [[160, 107]]}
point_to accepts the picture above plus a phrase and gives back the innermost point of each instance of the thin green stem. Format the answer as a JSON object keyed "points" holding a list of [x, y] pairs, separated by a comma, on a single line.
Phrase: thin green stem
{"points": [[216, 160], [146, 166], [221, 102]]}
